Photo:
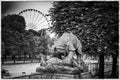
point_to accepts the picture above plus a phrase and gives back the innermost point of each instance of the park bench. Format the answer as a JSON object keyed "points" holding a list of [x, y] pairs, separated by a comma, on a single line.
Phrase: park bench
{"points": [[5, 73]]}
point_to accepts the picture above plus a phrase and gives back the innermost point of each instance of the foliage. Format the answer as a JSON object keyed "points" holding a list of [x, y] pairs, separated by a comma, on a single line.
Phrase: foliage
{"points": [[94, 23], [34, 42], [12, 28], [18, 41], [44, 41], [13, 22]]}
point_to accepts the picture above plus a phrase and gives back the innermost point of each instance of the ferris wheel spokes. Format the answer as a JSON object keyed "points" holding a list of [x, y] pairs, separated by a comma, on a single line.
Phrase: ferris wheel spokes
{"points": [[40, 27], [42, 24], [34, 19]]}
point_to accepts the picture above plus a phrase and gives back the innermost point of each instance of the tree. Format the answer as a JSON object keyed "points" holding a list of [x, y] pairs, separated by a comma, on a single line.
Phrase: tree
{"points": [[94, 23], [36, 42], [28, 44], [44, 41], [3, 52], [12, 28]]}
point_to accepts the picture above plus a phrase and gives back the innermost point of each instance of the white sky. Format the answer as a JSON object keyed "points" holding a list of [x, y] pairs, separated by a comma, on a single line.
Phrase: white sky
{"points": [[18, 6]]}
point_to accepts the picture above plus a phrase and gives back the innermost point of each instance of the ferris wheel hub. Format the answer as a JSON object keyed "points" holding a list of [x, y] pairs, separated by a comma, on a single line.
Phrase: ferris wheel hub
{"points": [[30, 26]]}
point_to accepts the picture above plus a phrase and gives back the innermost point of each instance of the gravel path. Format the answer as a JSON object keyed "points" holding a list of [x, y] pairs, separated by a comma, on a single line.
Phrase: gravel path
{"points": [[16, 70]]}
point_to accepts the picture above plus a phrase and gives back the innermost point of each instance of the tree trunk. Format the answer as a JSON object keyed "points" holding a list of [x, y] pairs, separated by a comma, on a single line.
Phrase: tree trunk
{"points": [[39, 59], [14, 58], [24, 57], [31, 58], [114, 66], [3, 59], [20, 57], [101, 65]]}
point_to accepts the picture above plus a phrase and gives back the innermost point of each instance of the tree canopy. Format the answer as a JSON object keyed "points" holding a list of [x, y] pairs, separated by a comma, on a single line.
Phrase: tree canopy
{"points": [[94, 23], [18, 41], [12, 28]]}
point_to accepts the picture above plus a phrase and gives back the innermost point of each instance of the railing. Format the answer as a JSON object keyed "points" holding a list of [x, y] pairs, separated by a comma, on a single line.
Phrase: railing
{"points": [[93, 71], [94, 67]]}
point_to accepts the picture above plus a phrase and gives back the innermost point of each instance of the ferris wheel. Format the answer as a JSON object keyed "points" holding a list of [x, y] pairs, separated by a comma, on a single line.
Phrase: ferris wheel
{"points": [[34, 19]]}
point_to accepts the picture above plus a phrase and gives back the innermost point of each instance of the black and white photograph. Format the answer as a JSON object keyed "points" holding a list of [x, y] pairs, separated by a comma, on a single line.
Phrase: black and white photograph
{"points": [[59, 39]]}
